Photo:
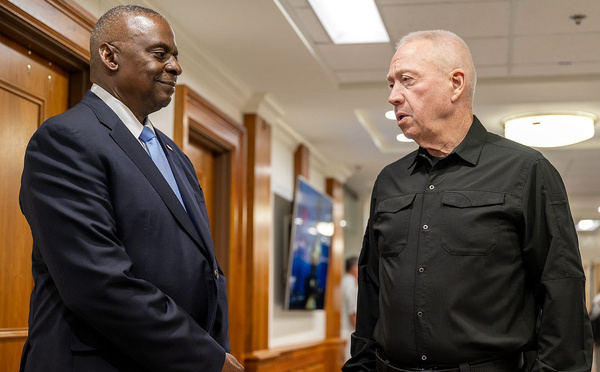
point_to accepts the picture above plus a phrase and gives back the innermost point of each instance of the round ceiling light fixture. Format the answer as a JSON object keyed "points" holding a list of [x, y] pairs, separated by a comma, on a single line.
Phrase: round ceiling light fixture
{"points": [[549, 129]]}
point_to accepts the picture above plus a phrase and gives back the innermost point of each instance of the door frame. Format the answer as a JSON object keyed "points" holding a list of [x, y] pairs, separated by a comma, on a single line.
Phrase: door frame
{"points": [[197, 121], [52, 38]]}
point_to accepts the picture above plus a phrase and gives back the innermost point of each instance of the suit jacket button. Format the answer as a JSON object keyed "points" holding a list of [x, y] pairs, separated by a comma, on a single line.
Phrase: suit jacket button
{"points": [[217, 274]]}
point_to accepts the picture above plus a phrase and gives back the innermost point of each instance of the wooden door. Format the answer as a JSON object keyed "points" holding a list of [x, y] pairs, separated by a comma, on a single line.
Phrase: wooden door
{"points": [[31, 90], [215, 145], [203, 160], [211, 168]]}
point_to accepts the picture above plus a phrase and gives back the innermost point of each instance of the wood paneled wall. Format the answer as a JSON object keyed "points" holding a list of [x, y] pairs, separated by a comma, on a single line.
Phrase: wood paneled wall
{"points": [[260, 220], [63, 23], [301, 162], [31, 90], [58, 30], [314, 357], [333, 301], [40, 76]]}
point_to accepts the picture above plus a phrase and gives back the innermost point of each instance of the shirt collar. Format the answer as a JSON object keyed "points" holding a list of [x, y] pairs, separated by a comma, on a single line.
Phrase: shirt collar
{"points": [[470, 147], [122, 111]]}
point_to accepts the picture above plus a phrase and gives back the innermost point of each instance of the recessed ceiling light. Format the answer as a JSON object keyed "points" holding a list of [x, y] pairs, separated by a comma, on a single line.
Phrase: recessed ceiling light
{"points": [[550, 129], [402, 138], [587, 225], [351, 21]]}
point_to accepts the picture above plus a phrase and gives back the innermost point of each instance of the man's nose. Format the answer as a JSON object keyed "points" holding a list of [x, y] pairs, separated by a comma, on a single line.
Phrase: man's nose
{"points": [[174, 67], [396, 97]]}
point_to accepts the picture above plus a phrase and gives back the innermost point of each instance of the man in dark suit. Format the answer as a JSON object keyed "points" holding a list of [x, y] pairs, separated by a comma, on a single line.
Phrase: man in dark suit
{"points": [[125, 273]]}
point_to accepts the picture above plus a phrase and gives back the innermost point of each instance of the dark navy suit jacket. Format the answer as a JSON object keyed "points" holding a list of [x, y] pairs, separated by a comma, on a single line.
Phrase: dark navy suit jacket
{"points": [[125, 278]]}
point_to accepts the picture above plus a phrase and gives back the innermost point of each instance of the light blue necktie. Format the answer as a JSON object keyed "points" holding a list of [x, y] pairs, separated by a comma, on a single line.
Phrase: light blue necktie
{"points": [[160, 159]]}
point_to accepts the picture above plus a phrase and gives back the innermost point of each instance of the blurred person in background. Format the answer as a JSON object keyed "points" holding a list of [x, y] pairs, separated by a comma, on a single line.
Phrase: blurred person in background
{"points": [[349, 298]]}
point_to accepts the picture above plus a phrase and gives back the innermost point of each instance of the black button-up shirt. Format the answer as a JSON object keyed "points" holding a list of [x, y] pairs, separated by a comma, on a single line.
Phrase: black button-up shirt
{"points": [[462, 253]]}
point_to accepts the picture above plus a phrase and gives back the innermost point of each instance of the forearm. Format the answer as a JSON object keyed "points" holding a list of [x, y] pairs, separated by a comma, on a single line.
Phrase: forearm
{"points": [[565, 340], [553, 263]]}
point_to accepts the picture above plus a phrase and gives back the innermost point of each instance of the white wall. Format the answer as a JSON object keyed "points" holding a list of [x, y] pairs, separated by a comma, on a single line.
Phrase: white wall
{"points": [[290, 327]]}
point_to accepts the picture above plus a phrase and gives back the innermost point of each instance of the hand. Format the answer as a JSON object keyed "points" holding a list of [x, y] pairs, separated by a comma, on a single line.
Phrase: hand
{"points": [[231, 364]]}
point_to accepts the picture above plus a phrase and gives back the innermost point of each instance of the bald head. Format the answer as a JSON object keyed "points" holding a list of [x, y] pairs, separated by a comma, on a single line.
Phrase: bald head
{"points": [[448, 52], [112, 26]]}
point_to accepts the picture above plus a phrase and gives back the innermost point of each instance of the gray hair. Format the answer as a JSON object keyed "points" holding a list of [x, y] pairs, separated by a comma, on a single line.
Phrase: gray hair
{"points": [[106, 28], [450, 52]]}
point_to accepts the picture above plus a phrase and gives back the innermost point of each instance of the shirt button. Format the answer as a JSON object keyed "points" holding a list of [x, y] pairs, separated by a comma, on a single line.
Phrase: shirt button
{"points": [[420, 314], [217, 274], [423, 357], [431, 187], [421, 269], [425, 227]]}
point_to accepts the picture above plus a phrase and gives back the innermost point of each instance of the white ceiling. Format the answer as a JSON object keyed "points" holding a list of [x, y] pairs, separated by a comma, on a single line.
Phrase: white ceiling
{"points": [[529, 54]]}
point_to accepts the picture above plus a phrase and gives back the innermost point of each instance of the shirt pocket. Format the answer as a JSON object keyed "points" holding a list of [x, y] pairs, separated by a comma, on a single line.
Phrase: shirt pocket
{"points": [[470, 222], [392, 218]]}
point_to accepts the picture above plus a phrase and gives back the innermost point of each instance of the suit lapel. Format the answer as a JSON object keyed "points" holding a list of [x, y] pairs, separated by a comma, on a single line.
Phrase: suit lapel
{"points": [[130, 145], [196, 208]]}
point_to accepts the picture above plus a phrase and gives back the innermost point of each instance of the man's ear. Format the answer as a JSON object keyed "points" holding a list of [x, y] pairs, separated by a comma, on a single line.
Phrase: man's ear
{"points": [[459, 84], [109, 56]]}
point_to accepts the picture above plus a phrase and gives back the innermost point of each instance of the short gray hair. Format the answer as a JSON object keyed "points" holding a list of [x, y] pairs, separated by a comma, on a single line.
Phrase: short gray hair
{"points": [[450, 52], [106, 27]]}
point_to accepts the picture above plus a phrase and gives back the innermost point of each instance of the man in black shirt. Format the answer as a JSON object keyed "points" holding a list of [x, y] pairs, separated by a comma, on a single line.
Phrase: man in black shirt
{"points": [[470, 257]]}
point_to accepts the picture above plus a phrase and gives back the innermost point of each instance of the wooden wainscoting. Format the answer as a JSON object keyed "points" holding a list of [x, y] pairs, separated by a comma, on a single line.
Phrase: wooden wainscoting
{"points": [[259, 223], [322, 356]]}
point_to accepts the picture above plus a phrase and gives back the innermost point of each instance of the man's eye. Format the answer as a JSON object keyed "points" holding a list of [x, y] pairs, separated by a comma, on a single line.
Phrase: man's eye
{"points": [[160, 54]]}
